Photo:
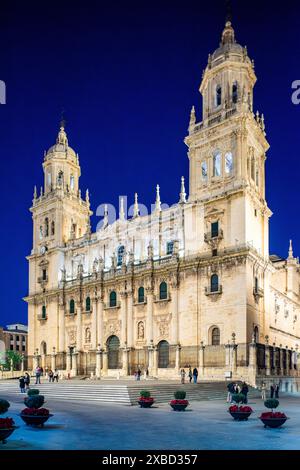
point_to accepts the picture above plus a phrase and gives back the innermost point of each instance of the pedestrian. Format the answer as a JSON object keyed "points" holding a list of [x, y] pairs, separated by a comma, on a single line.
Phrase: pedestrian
{"points": [[182, 375], [38, 375], [230, 388], [41, 371], [263, 391], [50, 375], [245, 391], [22, 384], [277, 391], [139, 373], [195, 375], [272, 390], [147, 373], [236, 388], [190, 374], [27, 380]]}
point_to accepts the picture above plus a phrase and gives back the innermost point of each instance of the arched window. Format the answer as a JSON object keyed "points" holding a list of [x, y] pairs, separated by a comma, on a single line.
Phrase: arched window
{"points": [[53, 228], [72, 306], [41, 232], [72, 182], [214, 283], [253, 168], [141, 295], [43, 348], [113, 299], [235, 92], [215, 337], [49, 180], [60, 178], [163, 291], [256, 334], [46, 227], [113, 348], [163, 354], [88, 304], [228, 163], [44, 312], [120, 255], [204, 172], [170, 248], [218, 95], [217, 163]]}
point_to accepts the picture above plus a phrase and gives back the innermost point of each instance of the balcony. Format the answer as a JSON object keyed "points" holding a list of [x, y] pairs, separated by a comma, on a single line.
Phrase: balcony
{"points": [[209, 291], [209, 236], [42, 280], [42, 317]]}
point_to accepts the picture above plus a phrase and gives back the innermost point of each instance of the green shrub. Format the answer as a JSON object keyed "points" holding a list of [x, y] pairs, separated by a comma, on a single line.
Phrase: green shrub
{"points": [[32, 392], [271, 403], [36, 401], [238, 398], [4, 405], [145, 394], [180, 395]]}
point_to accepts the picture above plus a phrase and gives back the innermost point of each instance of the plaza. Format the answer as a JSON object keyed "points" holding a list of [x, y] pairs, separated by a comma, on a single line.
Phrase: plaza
{"points": [[205, 425]]}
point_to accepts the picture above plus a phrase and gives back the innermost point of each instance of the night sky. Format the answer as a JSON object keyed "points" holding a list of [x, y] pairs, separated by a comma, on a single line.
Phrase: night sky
{"points": [[127, 75]]}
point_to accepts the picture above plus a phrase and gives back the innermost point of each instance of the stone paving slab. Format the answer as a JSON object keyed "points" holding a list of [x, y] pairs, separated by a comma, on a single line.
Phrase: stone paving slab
{"points": [[205, 426]]}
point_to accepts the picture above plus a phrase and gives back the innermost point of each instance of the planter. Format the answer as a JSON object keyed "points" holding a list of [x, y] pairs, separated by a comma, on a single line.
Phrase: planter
{"points": [[240, 415], [179, 406], [5, 433], [35, 420], [273, 422], [146, 403]]}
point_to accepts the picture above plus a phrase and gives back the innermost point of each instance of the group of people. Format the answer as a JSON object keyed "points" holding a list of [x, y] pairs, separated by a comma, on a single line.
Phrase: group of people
{"points": [[53, 376], [234, 388], [274, 390], [24, 382], [138, 374], [192, 375]]}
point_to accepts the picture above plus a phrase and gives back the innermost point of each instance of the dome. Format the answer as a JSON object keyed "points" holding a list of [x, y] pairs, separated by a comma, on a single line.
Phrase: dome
{"points": [[229, 49], [61, 147]]}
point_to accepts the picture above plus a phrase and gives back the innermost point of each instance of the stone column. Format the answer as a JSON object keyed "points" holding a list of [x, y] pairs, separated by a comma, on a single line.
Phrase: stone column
{"points": [[100, 320], [123, 296], [267, 360], [105, 362], [94, 324], [68, 362], [130, 319], [79, 329], [155, 362], [281, 360], [61, 326], [233, 358], [287, 362], [22, 363], [74, 364], [227, 356], [98, 362], [125, 361], [150, 359], [53, 360], [253, 363], [201, 359], [149, 323], [177, 359], [175, 338]]}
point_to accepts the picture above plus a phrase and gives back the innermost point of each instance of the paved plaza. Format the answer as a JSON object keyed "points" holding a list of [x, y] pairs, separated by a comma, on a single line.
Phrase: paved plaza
{"points": [[205, 426]]}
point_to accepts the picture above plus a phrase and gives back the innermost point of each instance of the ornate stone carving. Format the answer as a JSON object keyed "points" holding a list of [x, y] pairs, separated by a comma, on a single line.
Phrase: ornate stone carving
{"points": [[141, 330], [112, 327]]}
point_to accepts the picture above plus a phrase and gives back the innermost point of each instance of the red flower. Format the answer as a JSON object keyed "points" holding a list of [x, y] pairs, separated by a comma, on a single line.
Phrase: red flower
{"points": [[35, 412], [242, 409], [179, 402], [270, 415], [6, 423], [147, 400]]}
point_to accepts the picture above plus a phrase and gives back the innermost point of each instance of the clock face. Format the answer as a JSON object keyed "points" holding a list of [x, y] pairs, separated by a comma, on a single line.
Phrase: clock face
{"points": [[43, 250]]}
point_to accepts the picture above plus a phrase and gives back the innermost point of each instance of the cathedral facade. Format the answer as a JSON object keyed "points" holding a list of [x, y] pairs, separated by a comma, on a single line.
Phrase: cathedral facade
{"points": [[192, 284]]}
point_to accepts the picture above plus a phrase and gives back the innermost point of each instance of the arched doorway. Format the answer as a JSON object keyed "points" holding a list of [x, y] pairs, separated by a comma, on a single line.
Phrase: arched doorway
{"points": [[43, 348], [163, 354], [113, 348]]}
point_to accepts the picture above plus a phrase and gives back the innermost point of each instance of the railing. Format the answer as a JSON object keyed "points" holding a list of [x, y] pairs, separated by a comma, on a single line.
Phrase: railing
{"points": [[42, 317], [210, 236], [42, 280]]}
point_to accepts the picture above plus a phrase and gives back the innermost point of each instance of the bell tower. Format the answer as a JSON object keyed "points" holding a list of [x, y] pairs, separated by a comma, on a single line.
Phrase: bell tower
{"points": [[227, 149]]}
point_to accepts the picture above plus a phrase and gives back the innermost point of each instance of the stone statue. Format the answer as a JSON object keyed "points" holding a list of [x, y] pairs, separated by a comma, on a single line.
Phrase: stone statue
{"points": [[141, 330]]}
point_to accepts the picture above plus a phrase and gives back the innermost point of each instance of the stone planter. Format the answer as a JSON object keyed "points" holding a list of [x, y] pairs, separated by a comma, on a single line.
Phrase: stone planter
{"points": [[5, 433], [240, 415], [273, 422], [35, 420], [146, 403], [179, 406]]}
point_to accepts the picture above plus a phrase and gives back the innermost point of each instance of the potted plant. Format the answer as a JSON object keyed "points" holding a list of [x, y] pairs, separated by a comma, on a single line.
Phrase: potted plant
{"points": [[240, 413], [271, 419], [7, 425], [32, 391], [145, 400], [34, 414], [180, 403]]}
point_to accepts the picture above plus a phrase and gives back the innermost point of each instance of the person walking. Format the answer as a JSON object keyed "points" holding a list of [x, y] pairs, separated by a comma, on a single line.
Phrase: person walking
{"points": [[230, 388], [50, 375], [27, 380], [22, 384], [236, 388], [38, 375], [195, 375], [263, 391], [190, 374], [277, 391], [272, 390], [139, 373], [245, 391], [182, 375]]}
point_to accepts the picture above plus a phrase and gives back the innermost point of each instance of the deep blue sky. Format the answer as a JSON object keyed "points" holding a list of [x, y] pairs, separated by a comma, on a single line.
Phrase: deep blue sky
{"points": [[127, 74]]}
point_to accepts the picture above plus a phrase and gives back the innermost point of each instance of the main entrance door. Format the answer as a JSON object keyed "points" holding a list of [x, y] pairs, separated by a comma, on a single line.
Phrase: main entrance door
{"points": [[113, 346]]}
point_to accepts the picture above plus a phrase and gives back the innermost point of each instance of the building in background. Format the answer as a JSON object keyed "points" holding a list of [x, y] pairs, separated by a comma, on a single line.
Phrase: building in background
{"points": [[193, 284]]}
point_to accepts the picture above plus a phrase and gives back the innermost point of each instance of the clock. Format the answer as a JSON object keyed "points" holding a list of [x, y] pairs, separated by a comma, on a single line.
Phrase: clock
{"points": [[43, 250]]}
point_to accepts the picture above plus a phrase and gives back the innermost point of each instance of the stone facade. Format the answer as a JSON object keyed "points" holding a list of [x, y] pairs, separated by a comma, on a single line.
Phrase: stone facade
{"points": [[192, 284]]}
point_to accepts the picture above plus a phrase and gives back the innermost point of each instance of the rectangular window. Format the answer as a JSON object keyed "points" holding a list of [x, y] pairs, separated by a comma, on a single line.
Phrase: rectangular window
{"points": [[170, 248], [256, 284], [214, 229], [11, 347], [44, 274], [23, 348], [17, 347], [17, 338], [215, 252]]}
